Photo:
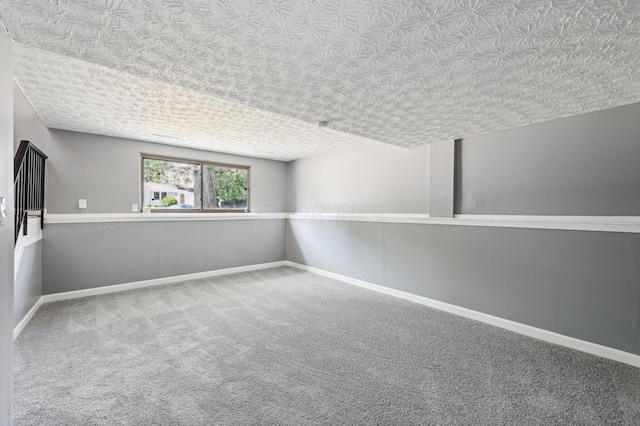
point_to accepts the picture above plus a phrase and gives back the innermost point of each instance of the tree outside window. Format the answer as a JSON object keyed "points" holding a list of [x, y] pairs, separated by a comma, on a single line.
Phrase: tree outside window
{"points": [[173, 184]]}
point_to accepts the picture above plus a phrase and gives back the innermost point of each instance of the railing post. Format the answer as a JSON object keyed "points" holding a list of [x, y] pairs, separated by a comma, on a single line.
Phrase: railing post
{"points": [[28, 180], [27, 190], [44, 163]]}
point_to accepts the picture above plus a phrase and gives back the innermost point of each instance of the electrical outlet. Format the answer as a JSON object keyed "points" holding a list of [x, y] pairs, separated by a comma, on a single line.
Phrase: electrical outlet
{"points": [[82, 204], [134, 208]]}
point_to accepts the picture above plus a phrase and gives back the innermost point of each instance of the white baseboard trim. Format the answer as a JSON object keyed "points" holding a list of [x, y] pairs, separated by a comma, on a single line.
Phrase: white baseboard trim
{"points": [[537, 333], [22, 324], [527, 330], [48, 298]]}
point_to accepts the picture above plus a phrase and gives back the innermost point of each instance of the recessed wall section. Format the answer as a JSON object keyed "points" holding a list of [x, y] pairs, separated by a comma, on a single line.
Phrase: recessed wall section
{"points": [[371, 177], [587, 165]]}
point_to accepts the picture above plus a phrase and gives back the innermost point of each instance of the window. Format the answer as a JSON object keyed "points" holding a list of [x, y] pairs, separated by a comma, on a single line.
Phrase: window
{"points": [[178, 185]]}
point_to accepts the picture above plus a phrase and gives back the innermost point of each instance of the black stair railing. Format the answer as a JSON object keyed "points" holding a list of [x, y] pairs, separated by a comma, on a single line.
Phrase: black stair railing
{"points": [[28, 180]]}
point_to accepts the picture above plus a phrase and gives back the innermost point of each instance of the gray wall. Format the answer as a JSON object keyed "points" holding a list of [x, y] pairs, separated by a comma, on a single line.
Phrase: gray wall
{"points": [[80, 256], [580, 284], [441, 179], [371, 177], [28, 282], [583, 165], [6, 232], [106, 172], [27, 125], [577, 283]]}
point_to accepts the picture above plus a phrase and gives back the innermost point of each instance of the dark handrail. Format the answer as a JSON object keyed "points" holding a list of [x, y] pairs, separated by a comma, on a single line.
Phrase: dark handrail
{"points": [[28, 180]]}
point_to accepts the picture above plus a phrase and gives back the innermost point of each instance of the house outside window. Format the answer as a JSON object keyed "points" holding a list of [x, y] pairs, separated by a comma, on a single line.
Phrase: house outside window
{"points": [[173, 184]]}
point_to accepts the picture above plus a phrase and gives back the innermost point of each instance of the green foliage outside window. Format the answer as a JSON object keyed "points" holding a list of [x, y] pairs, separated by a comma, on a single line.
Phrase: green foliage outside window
{"points": [[230, 187], [224, 187], [169, 201]]}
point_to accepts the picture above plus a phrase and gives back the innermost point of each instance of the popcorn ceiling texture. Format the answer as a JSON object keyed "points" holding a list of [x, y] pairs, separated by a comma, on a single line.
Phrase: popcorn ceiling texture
{"points": [[405, 73], [90, 98]]}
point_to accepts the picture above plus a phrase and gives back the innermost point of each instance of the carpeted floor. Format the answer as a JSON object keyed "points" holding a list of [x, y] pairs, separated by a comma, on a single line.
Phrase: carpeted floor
{"points": [[281, 346]]}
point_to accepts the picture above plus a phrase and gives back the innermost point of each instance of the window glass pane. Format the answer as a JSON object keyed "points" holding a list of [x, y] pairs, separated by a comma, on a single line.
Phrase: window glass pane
{"points": [[225, 188], [170, 184]]}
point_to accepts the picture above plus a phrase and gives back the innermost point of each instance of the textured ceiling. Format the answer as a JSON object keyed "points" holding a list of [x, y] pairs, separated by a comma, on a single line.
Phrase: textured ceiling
{"points": [[402, 72], [76, 95]]}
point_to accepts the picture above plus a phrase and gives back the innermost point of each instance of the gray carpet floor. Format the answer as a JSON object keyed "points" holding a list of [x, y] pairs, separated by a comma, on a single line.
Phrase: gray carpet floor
{"points": [[282, 346]]}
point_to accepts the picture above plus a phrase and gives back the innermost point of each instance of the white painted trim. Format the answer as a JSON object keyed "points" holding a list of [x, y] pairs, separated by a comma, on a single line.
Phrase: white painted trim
{"points": [[33, 236], [628, 224], [363, 217], [22, 324], [155, 217], [536, 333], [48, 298]]}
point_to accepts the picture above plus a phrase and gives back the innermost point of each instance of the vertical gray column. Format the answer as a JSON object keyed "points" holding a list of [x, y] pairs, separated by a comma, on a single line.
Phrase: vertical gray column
{"points": [[441, 179], [6, 231]]}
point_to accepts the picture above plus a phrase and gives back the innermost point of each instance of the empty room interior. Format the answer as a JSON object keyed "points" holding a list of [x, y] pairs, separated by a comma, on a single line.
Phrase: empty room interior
{"points": [[320, 212]]}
